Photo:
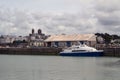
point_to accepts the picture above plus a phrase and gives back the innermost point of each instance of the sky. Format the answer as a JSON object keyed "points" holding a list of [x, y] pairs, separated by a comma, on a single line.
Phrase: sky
{"points": [[18, 17]]}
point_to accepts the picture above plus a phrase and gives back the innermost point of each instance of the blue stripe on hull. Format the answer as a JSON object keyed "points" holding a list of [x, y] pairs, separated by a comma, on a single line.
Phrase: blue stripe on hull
{"points": [[87, 54]]}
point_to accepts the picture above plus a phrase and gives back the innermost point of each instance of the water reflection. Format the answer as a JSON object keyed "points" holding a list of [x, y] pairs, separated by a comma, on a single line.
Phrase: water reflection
{"points": [[112, 64]]}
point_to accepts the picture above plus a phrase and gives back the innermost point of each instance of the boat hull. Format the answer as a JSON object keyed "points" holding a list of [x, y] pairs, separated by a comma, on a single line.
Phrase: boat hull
{"points": [[84, 54]]}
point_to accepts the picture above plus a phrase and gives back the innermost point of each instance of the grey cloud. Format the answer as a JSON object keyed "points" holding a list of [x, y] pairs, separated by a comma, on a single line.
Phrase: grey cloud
{"points": [[109, 21], [107, 13], [108, 5]]}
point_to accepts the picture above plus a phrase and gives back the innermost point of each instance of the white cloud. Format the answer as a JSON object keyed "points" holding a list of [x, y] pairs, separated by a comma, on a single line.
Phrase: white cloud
{"points": [[93, 16]]}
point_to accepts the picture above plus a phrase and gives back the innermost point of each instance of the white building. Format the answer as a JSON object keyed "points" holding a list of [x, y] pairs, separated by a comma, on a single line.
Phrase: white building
{"points": [[100, 40], [5, 39], [21, 38]]}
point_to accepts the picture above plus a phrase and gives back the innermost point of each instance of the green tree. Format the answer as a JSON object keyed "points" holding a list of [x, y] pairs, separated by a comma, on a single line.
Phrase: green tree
{"points": [[107, 37]]}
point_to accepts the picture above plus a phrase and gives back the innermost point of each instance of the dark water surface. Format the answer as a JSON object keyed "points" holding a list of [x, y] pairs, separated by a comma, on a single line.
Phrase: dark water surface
{"points": [[17, 67]]}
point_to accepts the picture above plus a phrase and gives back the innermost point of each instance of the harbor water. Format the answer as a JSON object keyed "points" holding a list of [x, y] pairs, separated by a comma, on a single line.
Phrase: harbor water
{"points": [[24, 67]]}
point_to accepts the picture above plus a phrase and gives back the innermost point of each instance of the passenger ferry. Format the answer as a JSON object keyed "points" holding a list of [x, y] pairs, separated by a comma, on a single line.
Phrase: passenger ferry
{"points": [[81, 50]]}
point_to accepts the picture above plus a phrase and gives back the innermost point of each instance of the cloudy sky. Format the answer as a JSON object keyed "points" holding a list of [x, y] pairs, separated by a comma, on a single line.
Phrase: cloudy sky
{"points": [[18, 17]]}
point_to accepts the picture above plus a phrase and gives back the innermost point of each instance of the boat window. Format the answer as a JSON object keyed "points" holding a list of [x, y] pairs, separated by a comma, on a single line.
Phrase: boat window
{"points": [[78, 50]]}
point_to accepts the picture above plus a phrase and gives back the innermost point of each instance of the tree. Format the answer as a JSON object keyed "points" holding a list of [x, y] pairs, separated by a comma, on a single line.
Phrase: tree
{"points": [[115, 37], [107, 37]]}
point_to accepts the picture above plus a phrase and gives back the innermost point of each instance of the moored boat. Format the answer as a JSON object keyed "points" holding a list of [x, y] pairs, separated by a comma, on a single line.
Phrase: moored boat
{"points": [[81, 50]]}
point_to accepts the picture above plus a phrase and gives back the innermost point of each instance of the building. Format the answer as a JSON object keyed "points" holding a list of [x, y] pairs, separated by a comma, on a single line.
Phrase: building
{"points": [[12, 41], [21, 38], [100, 40], [6, 39], [68, 40], [37, 39]]}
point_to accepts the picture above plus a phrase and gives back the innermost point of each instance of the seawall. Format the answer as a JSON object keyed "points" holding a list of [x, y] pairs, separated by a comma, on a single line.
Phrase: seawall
{"points": [[108, 52], [112, 52], [30, 51]]}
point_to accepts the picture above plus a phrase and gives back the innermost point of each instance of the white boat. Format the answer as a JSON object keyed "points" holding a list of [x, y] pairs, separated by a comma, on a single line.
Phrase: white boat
{"points": [[81, 50]]}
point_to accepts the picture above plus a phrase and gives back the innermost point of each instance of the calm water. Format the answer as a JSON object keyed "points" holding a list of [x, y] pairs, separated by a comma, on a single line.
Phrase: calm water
{"points": [[14, 67]]}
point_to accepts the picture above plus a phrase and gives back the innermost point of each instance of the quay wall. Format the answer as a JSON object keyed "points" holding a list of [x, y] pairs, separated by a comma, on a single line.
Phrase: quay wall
{"points": [[108, 52], [112, 52], [30, 51]]}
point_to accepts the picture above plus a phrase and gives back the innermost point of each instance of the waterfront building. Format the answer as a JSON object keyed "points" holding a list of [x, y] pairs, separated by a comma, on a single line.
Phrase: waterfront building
{"points": [[13, 41], [21, 38], [6, 39], [20, 41], [37, 39], [68, 40]]}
